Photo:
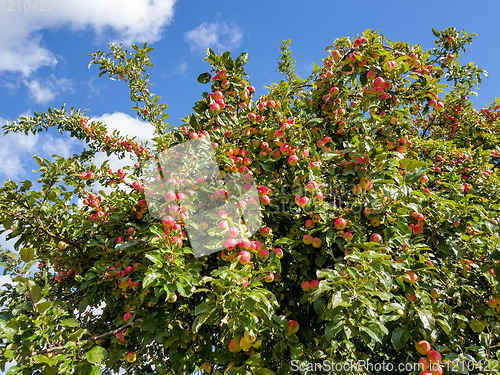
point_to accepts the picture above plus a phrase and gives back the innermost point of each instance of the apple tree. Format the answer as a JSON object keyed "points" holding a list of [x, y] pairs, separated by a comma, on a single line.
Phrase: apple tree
{"points": [[379, 241]]}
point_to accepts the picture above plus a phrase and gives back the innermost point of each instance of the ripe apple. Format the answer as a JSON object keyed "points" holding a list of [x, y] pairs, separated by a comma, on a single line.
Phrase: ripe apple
{"points": [[263, 254], [375, 237], [230, 244], [436, 369], [127, 316], [357, 189], [434, 356], [264, 232], [269, 278], [234, 232], [423, 363], [293, 326], [307, 239], [347, 235], [257, 344], [62, 245], [303, 201], [423, 347], [234, 346], [279, 253], [245, 257], [245, 345], [336, 54], [364, 183], [340, 223], [375, 221], [306, 287], [131, 357], [411, 277], [292, 160], [424, 179], [214, 107], [317, 242], [314, 284], [492, 303]]}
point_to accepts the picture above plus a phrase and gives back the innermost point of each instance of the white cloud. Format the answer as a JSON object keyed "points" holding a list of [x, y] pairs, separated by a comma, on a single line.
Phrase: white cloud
{"points": [[43, 91], [5, 279], [218, 36], [22, 49], [126, 125], [181, 68], [17, 150]]}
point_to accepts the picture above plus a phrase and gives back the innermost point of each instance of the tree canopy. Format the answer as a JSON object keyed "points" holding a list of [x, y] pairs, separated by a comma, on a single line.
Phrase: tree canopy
{"points": [[379, 242]]}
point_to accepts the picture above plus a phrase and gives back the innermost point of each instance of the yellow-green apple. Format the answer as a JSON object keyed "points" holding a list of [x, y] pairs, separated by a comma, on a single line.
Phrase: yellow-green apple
{"points": [[306, 286], [307, 239], [436, 293], [131, 357], [317, 242]]}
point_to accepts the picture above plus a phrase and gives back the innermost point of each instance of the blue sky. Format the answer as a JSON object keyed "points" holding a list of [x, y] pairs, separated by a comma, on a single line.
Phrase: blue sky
{"points": [[44, 62]]}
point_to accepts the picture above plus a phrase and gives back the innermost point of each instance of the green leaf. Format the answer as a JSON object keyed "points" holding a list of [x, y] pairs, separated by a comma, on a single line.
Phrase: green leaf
{"points": [[27, 254], [148, 280], [13, 256], [97, 355], [444, 325], [410, 164], [70, 323], [96, 370], [242, 59], [12, 370], [7, 223], [35, 291], [399, 338], [426, 318], [435, 32], [204, 78], [157, 259]]}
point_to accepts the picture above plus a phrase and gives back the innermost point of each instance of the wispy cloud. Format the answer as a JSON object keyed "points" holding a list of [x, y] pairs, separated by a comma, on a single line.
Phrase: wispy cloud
{"points": [[218, 36], [21, 45], [43, 91], [17, 149], [181, 68]]}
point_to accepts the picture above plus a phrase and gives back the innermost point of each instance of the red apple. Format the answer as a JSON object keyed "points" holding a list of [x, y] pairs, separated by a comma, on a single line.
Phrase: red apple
{"points": [[245, 257], [340, 223], [423, 363], [375, 237], [303, 201], [234, 232], [293, 326], [314, 284], [423, 347]]}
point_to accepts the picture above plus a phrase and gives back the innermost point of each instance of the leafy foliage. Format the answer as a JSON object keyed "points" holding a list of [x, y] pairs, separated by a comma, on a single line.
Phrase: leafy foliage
{"points": [[380, 228]]}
